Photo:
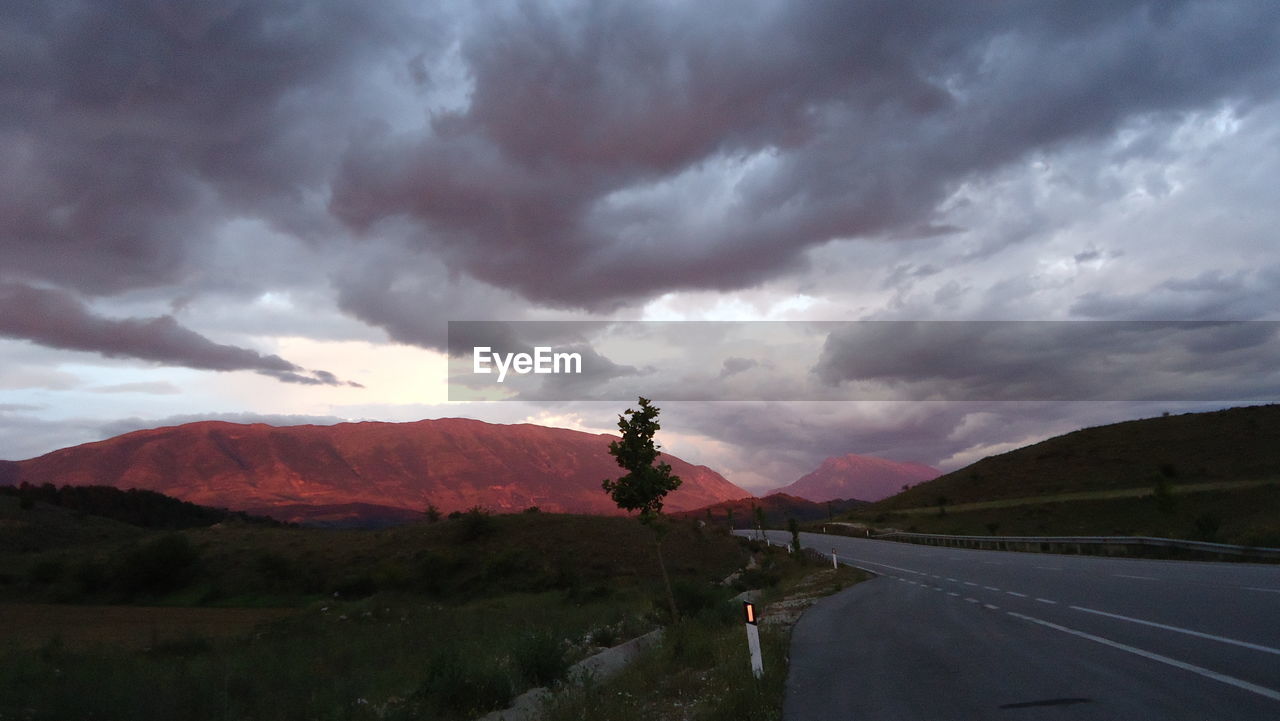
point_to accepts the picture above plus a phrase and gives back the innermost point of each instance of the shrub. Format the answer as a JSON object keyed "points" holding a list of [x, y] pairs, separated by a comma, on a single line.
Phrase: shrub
{"points": [[540, 658], [1207, 526], [45, 572], [476, 523], [694, 598], [460, 683], [160, 566], [359, 586]]}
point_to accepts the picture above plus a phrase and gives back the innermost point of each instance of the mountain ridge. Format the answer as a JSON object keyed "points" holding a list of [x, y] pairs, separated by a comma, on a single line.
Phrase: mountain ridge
{"points": [[451, 463]]}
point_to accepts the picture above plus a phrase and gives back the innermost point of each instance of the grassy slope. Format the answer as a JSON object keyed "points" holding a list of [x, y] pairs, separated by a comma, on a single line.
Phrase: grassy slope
{"points": [[1245, 516], [1230, 445], [1222, 471]]}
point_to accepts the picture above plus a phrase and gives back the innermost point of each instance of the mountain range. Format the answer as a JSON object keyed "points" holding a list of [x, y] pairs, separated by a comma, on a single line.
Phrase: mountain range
{"points": [[369, 468], [865, 478]]}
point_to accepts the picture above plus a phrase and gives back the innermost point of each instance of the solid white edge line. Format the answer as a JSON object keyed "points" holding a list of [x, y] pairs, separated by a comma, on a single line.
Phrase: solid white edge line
{"points": [[1220, 677], [1176, 629]]}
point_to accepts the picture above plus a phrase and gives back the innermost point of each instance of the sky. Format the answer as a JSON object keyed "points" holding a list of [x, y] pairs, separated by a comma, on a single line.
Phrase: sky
{"points": [[269, 210]]}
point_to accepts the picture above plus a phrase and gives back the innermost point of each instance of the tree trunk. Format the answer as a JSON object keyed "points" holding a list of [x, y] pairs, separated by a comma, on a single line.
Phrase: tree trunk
{"points": [[666, 581]]}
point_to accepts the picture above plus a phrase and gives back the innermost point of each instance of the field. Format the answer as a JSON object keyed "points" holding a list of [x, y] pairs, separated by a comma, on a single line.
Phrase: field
{"points": [[438, 620]]}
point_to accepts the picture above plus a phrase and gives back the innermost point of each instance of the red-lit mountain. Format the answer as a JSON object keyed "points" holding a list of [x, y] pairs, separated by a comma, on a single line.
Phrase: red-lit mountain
{"points": [[453, 463], [865, 478]]}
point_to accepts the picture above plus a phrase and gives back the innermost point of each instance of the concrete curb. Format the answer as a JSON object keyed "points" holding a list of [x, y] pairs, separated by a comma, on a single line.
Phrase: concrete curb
{"points": [[603, 665]]}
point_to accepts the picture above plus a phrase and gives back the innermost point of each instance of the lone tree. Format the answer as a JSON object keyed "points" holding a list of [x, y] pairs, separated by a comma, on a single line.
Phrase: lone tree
{"points": [[645, 484]]}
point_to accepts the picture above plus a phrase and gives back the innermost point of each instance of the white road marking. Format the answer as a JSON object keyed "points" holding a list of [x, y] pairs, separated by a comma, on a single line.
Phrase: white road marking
{"points": [[1140, 578], [953, 580], [885, 565], [970, 583], [952, 593], [993, 563], [971, 600], [1207, 673], [1015, 593], [1176, 629], [1264, 590], [991, 606], [991, 588], [1049, 568], [1045, 600]]}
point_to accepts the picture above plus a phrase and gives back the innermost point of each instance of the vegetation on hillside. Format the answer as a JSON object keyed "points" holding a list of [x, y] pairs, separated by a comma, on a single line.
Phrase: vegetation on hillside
{"points": [[146, 509], [1227, 445]]}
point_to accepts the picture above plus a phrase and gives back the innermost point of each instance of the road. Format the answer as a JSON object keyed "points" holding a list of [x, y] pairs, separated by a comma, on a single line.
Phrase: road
{"points": [[946, 634]]}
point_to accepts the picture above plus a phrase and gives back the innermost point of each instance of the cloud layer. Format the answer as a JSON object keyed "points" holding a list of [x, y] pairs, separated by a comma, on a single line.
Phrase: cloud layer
{"points": [[259, 170]]}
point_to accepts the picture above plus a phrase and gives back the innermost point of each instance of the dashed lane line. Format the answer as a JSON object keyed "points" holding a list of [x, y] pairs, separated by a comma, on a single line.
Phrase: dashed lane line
{"points": [[1263, 691], [1187, 631]]}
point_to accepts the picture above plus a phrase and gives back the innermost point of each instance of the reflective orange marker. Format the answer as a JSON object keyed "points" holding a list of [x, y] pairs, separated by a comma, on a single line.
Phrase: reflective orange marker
{"points": [[753, 638]]}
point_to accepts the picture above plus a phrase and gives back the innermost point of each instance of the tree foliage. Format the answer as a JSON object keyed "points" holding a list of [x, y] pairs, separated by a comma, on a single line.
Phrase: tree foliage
{"points": [[645, 484]]}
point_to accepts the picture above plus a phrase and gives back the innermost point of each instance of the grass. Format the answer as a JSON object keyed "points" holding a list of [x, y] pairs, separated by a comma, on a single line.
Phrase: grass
{"points": [[1237, 444], [701, 670], [443, 621], [379, 657], [236, 564], [1087, 496]]}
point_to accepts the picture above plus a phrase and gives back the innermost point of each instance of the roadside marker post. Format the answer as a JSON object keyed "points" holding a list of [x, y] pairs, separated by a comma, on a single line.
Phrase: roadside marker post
{"points": [[834, 563], [753, 638]]}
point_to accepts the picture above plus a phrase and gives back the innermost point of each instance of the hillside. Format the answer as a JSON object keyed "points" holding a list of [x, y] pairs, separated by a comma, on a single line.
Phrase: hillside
{"points": [[778, 507], [1228, 445], [854, 476], [452, 463]]}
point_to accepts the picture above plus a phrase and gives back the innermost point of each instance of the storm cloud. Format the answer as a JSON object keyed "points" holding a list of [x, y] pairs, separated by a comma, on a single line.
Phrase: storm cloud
{"points": [[606, 140], [59, 320], [329, 173]]}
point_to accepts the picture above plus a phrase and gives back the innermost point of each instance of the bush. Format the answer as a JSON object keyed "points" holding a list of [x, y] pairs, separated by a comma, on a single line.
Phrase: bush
{"points": [[757, 578], [540, 658], [45, 572], [90, 577], [694, 599], [476, 523], [360, 586], [459, 683], [1207, 526], [163, 565]]}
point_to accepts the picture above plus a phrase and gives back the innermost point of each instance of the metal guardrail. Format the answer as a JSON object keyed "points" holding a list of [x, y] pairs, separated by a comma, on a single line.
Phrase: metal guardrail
{"points": [[1059, 544]]}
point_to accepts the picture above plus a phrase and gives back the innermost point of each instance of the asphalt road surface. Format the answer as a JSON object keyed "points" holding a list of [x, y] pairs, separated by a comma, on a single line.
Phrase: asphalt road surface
{"points": [[946, 634]]}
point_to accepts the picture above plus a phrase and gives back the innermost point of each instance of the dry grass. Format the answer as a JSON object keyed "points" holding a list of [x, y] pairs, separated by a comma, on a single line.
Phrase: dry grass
{"points": [[30, 625]]}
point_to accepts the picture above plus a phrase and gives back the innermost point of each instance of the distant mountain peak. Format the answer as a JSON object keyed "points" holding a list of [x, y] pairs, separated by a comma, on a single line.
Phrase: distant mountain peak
{"points": [[866, 478]]}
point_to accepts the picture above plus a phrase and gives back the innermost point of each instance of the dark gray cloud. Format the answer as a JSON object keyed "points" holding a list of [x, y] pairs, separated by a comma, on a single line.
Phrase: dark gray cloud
{"points": [[57, 319], [607, 141], [1210, 295], [734, 365], [1056, 360], [159, 388], [133, 130]]}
